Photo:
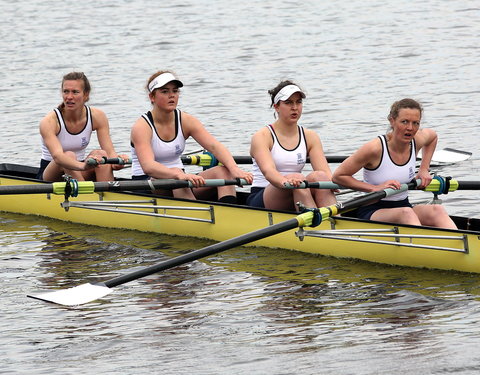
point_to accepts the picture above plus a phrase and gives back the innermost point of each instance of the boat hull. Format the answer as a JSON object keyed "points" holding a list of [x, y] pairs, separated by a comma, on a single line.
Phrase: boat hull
{"points": [[411, 246]]}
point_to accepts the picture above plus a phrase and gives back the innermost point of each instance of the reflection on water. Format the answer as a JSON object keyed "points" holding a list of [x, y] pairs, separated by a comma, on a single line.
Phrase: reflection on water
{"points": [[287, 301]]}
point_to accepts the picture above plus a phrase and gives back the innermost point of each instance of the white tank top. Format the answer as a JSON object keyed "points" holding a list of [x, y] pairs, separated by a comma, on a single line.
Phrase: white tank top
{"points": [[286, 161], [167, 153], [71, 142], [389, 170]]}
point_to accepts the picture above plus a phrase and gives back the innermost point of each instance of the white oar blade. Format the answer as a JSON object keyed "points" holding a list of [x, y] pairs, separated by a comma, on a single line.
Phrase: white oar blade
{"points": [[77, 295], [448, 156]]}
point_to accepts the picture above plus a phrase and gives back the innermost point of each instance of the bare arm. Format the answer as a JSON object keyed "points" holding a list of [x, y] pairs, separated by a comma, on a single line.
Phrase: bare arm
{"points": [[426, 139], [366, 156], [260, 150], [48, 130], [102, 127], [193, 127], [141, 136], [316, 154]]}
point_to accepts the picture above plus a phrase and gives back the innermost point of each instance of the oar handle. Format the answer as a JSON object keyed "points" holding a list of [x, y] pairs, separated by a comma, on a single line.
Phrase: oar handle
{"points": [[221, 182], [314, 185], [105, 160]]}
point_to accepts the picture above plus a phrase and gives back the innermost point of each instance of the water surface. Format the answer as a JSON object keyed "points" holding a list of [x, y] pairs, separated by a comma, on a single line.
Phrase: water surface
{"points": [[242, 311]]}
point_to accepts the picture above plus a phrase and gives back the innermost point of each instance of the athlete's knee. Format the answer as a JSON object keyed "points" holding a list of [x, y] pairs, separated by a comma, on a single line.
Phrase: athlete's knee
{"points": [[296, 175], [403, 215], [407, 213], [317, 176], [434, 213], [105, 167], [217, 172]]}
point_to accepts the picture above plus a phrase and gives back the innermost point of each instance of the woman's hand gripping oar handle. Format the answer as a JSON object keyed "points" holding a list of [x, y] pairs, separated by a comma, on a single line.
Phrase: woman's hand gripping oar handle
{"points": [[105, 160], [314, 185]]}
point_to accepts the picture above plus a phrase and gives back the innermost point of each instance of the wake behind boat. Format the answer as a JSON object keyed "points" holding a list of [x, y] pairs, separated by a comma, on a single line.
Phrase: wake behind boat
{"points": [[337, 236]]}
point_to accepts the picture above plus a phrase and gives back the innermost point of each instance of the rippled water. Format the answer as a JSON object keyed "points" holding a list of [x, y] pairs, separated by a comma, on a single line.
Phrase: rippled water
{"points": [[242, 311]]}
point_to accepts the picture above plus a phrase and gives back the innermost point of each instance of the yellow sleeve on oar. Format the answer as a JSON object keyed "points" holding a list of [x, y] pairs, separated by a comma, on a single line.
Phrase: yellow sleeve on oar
{"points": [[79, 187], [442, 185], [307, 218], [203, 160]]}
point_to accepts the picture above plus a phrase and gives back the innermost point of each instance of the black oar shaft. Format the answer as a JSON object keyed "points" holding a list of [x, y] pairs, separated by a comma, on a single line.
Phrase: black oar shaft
{"points": [[253, 236], [26, 189], [88, 187], [243, 159], [78, 295], [208, 161], [468, 185], [206, 251], [160, 184]]}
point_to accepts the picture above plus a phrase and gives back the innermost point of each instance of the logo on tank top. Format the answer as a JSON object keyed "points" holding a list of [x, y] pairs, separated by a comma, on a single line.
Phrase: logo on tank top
{"points": [[178, 150], [300, 159], [411, 173], [84, 142]]}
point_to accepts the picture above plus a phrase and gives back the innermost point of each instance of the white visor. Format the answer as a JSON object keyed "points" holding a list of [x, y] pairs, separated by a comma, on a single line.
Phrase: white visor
{"points": [[162, 80], [287, 92]]}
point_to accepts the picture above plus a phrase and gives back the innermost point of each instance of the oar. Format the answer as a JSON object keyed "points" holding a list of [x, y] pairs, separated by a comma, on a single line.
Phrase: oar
{"points": [[440, 185], [88, 187], [206, 160], [105, 160], [88, 292], [315, 185], [445, 156]]}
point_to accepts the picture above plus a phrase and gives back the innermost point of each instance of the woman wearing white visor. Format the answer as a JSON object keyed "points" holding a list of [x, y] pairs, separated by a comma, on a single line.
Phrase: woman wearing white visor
{"points": [[158, 141], [280, 151]]}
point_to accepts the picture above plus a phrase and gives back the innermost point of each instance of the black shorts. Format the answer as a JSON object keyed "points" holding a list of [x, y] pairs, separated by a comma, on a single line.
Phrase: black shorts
{"points": [[142, 177], [366, 212], [255, 199], [43, 164]]}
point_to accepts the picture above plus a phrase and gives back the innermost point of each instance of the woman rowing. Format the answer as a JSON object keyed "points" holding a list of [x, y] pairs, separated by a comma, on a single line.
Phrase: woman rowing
{"points": [[158, 141], [279, 153], [389, 161], [66, 133]]}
